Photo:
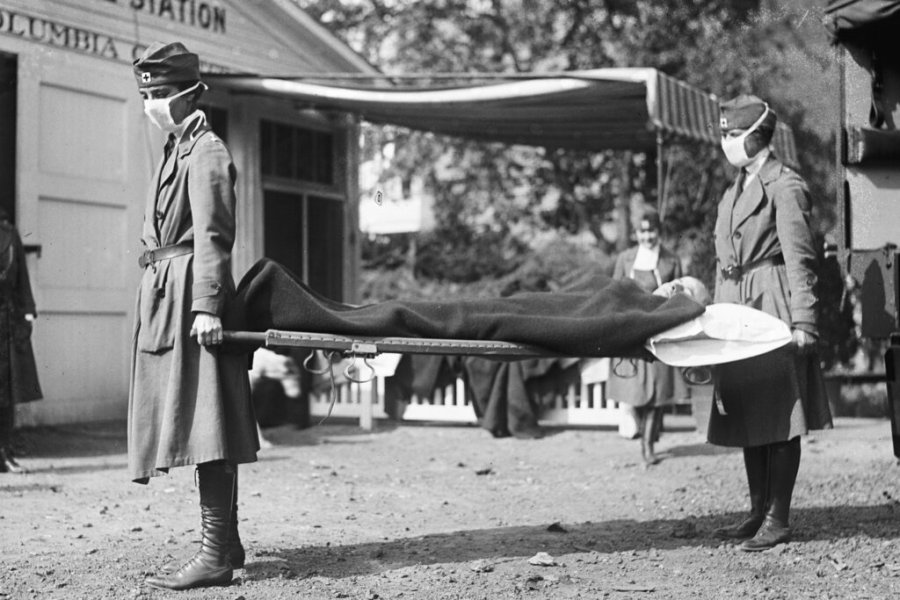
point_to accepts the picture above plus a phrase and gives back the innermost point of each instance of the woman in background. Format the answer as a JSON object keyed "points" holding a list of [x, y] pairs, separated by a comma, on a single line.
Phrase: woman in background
{"points": [[642, 395]]}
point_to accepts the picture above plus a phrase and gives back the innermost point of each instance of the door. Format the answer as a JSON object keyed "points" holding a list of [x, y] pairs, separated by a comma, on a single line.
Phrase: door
{"points": [[84, 158], [8, 135]]}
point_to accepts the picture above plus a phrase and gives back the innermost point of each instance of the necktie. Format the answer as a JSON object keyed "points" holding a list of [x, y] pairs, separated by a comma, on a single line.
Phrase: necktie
{"points": [[741, 180], [170, 143], [739, 188]]}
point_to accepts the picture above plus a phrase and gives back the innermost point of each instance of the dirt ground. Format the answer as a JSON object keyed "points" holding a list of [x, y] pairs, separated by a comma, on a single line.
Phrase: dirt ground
{"points": [[449, 512]]}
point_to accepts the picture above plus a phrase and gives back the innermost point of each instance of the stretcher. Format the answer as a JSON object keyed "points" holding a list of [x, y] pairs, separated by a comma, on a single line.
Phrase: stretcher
{"points": [[363, 348], [368, 347], [723, 333]]}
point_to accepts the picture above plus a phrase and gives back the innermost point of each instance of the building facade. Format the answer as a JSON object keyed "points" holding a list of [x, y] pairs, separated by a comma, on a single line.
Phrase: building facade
{"points": [[77, 153]]}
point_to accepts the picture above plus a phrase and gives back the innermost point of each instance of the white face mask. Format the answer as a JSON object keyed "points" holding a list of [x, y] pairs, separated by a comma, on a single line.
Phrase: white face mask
{"points": [[159, 110], [734, 148]]}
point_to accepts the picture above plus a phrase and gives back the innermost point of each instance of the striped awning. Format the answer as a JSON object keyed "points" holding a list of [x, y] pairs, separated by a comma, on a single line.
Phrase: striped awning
{"points": [[596, 110]]}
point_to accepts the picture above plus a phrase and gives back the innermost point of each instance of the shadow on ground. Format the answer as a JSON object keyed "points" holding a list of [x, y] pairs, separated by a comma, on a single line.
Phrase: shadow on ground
{"points": [[700, 449], [500, 544]]}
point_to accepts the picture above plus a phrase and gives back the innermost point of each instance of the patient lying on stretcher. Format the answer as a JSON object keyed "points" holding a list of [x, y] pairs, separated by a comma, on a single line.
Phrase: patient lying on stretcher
{"points": [[723, 333], [602, 317], [692, 287]]}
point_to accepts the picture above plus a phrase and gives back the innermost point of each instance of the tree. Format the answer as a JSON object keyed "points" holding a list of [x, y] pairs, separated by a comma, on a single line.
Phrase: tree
{"points": [[493, 201], [723, 46]]}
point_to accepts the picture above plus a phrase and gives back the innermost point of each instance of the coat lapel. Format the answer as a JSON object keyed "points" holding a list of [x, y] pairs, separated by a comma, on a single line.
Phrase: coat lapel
{"points": [[170, 166], [151, 225], [754, 194], [770, 171], [167, 171], [746, 203], [726, 205]]}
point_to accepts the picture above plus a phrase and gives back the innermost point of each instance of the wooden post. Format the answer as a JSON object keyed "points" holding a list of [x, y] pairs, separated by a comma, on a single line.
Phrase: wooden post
{"points": [[367, 405], [660, 176]]}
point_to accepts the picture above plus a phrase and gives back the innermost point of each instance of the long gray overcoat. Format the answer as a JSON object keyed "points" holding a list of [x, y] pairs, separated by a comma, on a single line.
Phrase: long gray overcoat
{"points": [[188, 404], [18, 372], [779, 395]]}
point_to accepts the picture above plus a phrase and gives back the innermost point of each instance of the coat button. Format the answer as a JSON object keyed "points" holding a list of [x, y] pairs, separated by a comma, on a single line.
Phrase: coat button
{"points": [[737, 235]]}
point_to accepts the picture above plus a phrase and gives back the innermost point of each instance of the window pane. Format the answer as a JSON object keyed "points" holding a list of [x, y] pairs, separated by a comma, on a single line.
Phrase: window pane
{"points": [[283, 222], [218, 120], [324, 158], [284, 152], [265, 147], [326, 246], [306, 156], [297, 153]]}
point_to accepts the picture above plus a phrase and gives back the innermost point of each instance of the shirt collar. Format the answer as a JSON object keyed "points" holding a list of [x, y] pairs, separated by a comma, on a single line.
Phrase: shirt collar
{"points": [[646, 259]]}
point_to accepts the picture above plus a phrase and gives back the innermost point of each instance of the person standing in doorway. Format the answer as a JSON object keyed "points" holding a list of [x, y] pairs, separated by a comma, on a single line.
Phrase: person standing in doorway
{"points": [[642, 394], [190, 399], [765, 259], [18, 372]]}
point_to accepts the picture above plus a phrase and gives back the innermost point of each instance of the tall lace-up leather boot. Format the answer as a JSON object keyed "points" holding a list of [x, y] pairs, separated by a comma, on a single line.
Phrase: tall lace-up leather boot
{"points": [[210, 565], [784, 462], [236, 553], [756, 463]]}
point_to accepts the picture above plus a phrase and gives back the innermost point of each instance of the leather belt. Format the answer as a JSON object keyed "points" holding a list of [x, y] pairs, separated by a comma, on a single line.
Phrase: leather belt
{"points": [[165, 253], [737, 272]]}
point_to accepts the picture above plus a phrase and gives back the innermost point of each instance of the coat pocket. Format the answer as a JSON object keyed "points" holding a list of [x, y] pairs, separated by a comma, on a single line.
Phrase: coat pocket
{"points": [[158, 311], [773, 294]]}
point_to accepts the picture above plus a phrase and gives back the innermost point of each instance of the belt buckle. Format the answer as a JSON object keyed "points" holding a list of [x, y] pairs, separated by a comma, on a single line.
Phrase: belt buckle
{"points": [[732, 272]]}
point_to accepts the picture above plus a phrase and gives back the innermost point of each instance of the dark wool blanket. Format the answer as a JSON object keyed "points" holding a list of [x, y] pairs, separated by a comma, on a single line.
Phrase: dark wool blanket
{"points": [[600, 317]]}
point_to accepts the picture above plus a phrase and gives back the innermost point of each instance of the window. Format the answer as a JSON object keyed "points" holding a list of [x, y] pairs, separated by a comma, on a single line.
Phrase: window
{"points": [[217, 119], [297, 153], [304, 204]]}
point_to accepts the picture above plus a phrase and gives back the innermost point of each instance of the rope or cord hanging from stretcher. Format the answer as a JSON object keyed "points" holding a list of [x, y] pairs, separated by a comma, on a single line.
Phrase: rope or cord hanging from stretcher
{"points": [[329, 357]]}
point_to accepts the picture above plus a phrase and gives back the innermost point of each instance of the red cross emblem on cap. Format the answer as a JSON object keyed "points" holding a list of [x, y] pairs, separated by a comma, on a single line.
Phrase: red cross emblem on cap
{"points": [[145, 77]]}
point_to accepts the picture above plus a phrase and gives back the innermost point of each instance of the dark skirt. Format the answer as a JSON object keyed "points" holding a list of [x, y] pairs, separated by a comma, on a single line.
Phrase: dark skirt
{"points": [[646, 384], [767, 399]]}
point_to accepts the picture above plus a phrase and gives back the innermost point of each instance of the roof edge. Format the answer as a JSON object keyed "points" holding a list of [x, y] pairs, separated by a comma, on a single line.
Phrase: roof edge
{"points": [[326, 37]]}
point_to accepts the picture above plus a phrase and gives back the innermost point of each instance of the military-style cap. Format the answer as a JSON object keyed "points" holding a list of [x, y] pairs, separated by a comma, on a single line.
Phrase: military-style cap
{"points": [[742, 112], [164, 64]]}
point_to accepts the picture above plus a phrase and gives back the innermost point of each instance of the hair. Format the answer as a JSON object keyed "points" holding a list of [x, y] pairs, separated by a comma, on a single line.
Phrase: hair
{"points": [[652, 217], [763, 135], [194, 97]]}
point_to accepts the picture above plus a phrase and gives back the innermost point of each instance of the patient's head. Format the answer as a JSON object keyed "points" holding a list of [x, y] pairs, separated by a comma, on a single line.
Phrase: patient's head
{"points": [[690, 286]]}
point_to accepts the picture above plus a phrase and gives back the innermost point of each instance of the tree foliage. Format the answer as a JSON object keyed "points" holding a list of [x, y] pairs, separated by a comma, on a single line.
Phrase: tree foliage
{"points": [[493, 201], [723, 46]]}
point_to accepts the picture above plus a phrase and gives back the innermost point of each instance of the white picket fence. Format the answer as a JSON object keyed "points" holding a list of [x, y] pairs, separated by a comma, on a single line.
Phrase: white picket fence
{"points": [[579, 404]]}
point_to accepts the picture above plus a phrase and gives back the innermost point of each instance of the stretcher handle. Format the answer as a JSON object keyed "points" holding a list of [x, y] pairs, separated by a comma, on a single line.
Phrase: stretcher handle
{"points": [[249, 338]]}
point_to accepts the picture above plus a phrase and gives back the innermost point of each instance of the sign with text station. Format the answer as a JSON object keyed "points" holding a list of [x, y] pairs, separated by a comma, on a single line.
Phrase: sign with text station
{"points": [[196, 13], [106, 45]]}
